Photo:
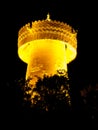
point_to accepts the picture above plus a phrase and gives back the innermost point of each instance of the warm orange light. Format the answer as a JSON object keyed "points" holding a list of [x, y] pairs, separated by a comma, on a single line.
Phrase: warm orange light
{"points": [[47, 47]]}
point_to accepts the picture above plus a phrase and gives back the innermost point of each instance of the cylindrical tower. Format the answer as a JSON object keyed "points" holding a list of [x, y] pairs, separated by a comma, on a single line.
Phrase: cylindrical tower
{"points": [[47, 46]]}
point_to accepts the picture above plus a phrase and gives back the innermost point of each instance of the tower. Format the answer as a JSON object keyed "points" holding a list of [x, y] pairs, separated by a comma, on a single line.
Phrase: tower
{"points": [[47, 46]]}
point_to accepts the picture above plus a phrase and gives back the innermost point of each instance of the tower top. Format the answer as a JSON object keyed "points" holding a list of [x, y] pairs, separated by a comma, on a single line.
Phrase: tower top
{"points": [[47, 29], [48, 17]]}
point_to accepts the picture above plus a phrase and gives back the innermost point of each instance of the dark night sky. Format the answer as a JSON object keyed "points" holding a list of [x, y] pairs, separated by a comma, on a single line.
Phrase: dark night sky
{"points": [[82, 16]]}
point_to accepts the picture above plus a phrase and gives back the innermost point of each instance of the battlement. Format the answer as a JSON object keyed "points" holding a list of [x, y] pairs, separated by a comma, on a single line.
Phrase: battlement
{"points": [[47, 29]]}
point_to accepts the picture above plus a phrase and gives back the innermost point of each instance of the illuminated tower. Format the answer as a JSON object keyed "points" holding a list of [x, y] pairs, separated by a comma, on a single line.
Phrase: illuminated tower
{"points": [[47, 46]]}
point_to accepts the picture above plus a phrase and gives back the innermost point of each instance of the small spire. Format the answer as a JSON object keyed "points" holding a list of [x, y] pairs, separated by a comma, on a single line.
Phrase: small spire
{"points": [[48, 17]]}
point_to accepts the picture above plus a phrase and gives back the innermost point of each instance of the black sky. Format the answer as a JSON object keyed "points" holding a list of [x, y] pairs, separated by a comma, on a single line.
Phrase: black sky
{"points": [[82, 16]]}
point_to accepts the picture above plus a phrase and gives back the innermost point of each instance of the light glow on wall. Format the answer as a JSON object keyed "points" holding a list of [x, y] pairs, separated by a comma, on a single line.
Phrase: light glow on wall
{"points": [[47, 46]]}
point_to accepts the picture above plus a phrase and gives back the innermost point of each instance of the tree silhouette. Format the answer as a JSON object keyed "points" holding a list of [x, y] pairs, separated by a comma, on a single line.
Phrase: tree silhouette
{"points": [[55, 104], [49, 94]]}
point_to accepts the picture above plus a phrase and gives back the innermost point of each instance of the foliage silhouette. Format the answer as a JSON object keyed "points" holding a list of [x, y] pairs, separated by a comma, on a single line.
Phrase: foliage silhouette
{"points": [[55, 101], [49, 94]]}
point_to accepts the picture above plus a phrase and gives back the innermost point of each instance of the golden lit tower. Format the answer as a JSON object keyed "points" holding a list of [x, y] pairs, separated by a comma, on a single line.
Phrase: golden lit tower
{"points": [[47, 46]]}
